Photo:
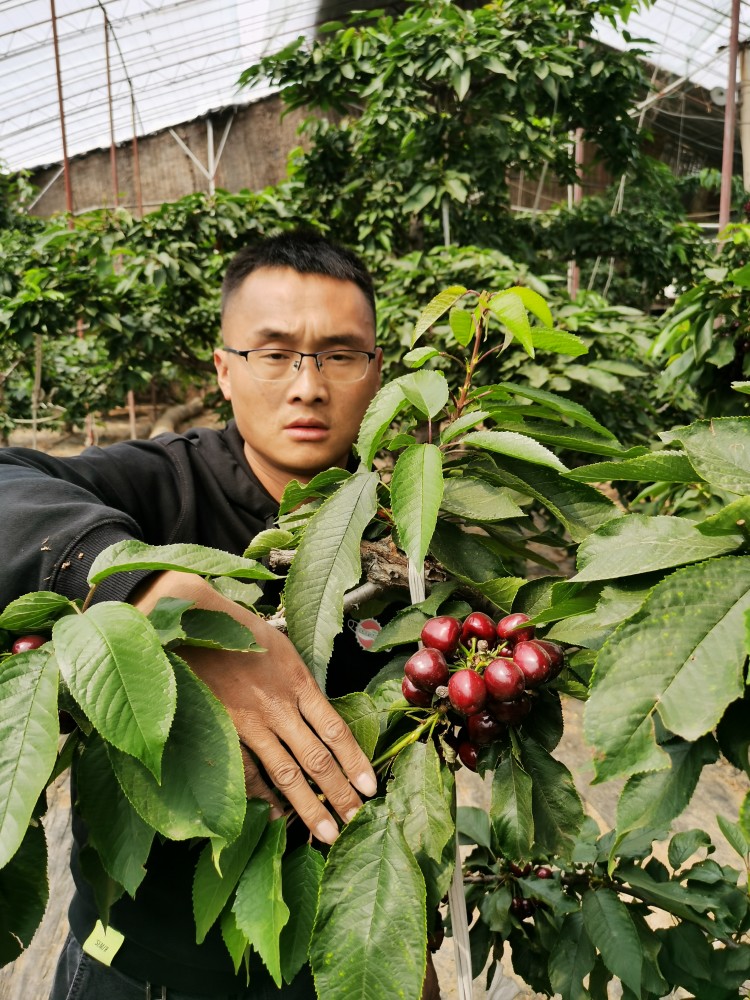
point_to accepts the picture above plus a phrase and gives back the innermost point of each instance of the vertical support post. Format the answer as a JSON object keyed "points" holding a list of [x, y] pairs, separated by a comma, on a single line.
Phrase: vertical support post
{"points": [[576, 193], [136, 161], [211, 164], [727, 159], [112, 146], [745, 113], [58, 75]]}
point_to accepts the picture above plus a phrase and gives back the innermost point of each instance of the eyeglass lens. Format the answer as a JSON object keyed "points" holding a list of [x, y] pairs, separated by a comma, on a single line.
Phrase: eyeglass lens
{"points": [[335, 366]]}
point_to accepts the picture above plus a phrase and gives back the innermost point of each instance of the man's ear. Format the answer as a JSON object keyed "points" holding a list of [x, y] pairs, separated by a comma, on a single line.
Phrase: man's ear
{"points": [[222, 373]]}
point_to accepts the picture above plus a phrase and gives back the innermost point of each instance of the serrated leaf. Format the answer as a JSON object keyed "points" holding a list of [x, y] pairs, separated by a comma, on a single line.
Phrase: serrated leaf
{"points": [[612, 931], [427, 391], [463, 554], [473, 826], [464, 423], [322, 485], [745, 817], [478, 500], [551, 432], [419, 356], [571, 959], [420, 795], [35, 612], [510, 810], [559, 404], [259, 907], [381, 412], [435, 308], [514, 445], [328, 564], [370, 928], [659, 466], [681, 654], [217, 630], [416, 492], [212, 888], [301, 874], [439, 593], [114, 666], [735, 837], [166, 618], [265, 541], [556, 805], [246, 594], [29, 732], [361, 715], [121, 838], [638, 543], [558, 342], [24, 891], [404, 627], [131, 554], [462, 325], [683, 845], [509, 308], [500, 591], [235, 941], [719, 450], [202, 790]]}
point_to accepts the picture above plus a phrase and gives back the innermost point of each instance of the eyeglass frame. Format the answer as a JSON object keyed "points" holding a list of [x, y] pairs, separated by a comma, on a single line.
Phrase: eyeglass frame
{"points": [[371, 355]]}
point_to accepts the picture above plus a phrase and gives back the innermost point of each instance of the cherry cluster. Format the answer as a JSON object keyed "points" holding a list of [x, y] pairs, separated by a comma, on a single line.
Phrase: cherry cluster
{"points": [[484, 670]]}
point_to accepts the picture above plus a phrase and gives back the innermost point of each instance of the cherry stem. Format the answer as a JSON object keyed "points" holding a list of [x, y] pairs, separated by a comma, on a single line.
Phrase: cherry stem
{"points": [[87, 602], [406, 741]]}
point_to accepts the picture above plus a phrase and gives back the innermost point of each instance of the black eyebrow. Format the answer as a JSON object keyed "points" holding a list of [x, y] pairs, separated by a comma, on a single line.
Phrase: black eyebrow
{"points": [[352, 340]]}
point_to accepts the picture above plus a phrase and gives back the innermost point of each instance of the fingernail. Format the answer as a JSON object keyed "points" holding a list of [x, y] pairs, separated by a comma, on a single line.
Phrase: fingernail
{"points": [[366, 783], [276, 812], [327, 831], [351, 814]]}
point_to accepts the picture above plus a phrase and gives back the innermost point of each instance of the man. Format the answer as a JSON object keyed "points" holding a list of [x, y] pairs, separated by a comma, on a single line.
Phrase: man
{"points": [[299, 365]]}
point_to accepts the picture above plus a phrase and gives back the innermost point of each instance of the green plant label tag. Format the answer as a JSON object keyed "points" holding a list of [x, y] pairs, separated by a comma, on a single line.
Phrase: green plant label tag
{"points": [[103, 944]]}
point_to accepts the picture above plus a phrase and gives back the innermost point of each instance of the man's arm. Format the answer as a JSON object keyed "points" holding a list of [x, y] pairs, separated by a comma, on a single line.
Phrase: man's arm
{"points": [[279, 712]]}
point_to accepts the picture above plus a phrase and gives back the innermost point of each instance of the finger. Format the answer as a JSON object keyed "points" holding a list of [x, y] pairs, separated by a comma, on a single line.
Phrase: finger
{"points": [[317, 761], [255, 786], [335, 733], [287, 776]]}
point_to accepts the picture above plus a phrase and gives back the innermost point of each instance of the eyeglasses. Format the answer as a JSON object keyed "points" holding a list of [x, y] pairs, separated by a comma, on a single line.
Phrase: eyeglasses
{"points": [[271, 364]]}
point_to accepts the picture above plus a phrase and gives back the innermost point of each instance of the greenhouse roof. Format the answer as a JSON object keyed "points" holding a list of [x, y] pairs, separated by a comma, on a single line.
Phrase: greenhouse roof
{"points": [[173, 60]]}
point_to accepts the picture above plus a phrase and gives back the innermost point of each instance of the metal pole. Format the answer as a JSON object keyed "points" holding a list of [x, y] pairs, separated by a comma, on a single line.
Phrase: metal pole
{"points": [[136, 161], [727, 159], [112, 147], [66, 162], [211, 172], [576, 190], [745, 113]]}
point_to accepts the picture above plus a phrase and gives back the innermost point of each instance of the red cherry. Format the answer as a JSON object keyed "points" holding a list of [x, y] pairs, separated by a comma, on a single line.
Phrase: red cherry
{"points": [[483, 728], [504, 680], [467, 692], [467, 754], [505, 649], [543, 872], [478, 625], [427, 669], [512, 712], [509, 628], [26, 642], [556, 655], [443, 633], [534, 662], [415, 696]]}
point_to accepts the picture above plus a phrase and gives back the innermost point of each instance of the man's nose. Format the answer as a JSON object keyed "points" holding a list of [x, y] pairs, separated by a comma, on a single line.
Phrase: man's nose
{"points": [[308, 380]]}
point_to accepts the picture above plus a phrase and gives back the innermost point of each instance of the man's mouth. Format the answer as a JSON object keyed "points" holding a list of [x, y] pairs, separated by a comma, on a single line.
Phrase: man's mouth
{"points": [[306, 430]]}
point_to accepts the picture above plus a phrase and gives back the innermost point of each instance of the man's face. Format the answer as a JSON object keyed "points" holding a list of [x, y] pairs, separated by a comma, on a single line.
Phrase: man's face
{"points": [[295, 429]]}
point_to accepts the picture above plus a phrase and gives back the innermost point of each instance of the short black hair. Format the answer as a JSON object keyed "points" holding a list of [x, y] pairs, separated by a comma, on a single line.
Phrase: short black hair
{"points": [[304, 251]]}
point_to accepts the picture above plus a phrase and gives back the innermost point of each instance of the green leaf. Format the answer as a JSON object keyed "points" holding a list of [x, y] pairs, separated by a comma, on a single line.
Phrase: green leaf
{"points": [[571, 959], [212, 888], [439, 593], [265, 541], [745, 817], [35, 612], [462, 325], [478, 500], [510, 810], [638, 543], [465, 422], [384, 409], [683, 845], [166, 618], [217, 630], [427, 391], [326, 565], [301, 874], [113, 663], [202, 790], [434, 309], [558, 434], [416, 492], [361, 715], [236, 943], [514, 445], [259, 907], [735, 836], [370, 928], [612, 931], [24, 891], [473, 826], [558, 342], [322, 485], [246, 594], [681, 654], [121, 838], [130, 555], [552, 401], [501, 591], [405, 627], [420, 796], [420, 355], [719, 450], [29, 732], [509, 308], [734, 517], [556, 805], [659, 466], [463, 554]]}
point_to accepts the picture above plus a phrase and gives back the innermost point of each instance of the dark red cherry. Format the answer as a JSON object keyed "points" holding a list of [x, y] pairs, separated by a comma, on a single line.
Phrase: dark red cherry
{"points": [[543, 872], [478, 625], [534, 662], [443, 633], [484, 728], [511, 712], [467, 754], [504, 680], [511, 628], [467, 692], [26, 642], [427, 669], [556, 655], [414, 695]]}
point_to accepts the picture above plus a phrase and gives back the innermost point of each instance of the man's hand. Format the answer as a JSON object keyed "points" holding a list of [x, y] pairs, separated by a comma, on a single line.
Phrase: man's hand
{"points": [[280, 714]]}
